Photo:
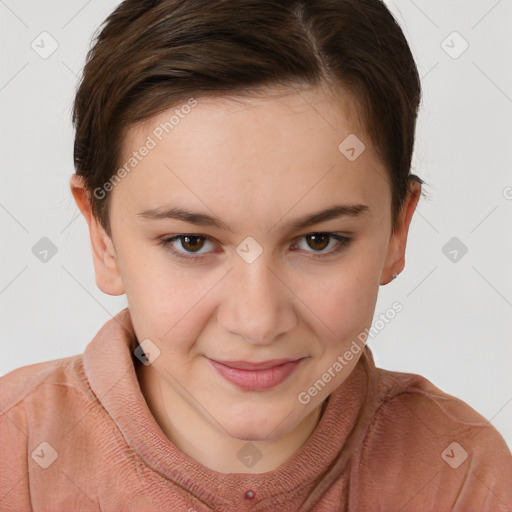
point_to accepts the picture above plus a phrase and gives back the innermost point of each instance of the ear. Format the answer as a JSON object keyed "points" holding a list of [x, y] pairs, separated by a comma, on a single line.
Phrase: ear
{"points": [[395, 257], [104, 256]]}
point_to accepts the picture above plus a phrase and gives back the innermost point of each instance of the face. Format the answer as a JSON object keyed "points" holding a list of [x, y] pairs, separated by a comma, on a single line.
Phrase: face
{"points": [[216, 245]]}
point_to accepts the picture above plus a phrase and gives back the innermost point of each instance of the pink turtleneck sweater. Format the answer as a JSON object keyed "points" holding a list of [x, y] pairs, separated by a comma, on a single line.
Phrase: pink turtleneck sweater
{"points": [[77, 435]]}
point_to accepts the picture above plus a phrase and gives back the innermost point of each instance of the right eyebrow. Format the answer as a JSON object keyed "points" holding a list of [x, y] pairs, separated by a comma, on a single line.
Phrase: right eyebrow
{"points": [[201, 219]]}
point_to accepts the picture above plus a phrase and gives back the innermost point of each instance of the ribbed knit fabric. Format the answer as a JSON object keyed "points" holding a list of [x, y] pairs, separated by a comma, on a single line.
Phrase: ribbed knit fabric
{"points": [[77, 435]]}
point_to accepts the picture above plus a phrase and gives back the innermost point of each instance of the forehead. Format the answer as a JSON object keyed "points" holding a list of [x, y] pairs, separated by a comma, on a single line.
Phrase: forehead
{"points": [[253, 153], [276, 119]]}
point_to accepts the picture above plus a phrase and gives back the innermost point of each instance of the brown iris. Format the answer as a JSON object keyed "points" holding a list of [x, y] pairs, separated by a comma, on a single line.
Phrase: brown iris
{"points": [[192, 243], [318, 241]]}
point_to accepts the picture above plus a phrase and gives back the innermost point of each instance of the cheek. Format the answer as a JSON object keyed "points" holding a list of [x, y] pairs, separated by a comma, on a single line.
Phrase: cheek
{"points": [[344, 307], [344, 297], [152, 284], [166, 304]]}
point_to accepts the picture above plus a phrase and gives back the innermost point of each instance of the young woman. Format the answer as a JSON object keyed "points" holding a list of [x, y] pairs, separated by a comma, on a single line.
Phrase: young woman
{"points": [[244, 170]]}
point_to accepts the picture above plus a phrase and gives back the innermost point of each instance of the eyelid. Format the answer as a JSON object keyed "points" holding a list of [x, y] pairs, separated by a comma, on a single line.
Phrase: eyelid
{"points": [[343, 240]]}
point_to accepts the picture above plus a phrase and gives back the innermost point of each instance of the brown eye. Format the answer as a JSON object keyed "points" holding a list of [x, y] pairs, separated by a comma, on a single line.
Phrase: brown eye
{"points": [[322, 244], [318, 241], [192, 243], [191, 247]]}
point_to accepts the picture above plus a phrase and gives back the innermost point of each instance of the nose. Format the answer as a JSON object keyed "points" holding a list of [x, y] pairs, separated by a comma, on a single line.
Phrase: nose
{"points": [[256, 303]]}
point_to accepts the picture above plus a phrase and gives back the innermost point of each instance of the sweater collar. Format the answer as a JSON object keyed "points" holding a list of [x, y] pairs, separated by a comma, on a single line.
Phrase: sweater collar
{"points": [[109, 367]]}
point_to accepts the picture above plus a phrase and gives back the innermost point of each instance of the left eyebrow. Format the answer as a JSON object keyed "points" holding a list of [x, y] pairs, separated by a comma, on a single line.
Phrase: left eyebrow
{"points": [[334, 212], [204, 219]]}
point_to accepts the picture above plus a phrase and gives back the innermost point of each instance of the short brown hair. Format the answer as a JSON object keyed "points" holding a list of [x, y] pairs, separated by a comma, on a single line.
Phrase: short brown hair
{"points": [[151, 55]]}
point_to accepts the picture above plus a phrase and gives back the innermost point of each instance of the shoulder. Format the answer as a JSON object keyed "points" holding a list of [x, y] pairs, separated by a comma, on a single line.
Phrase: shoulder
{"points": [[24, 382], [444, 452], [36, 400], [33, 397]]}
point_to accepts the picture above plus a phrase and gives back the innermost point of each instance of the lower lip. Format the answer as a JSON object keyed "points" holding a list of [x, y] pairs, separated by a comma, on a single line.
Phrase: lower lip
{"points": [[256, 380]]}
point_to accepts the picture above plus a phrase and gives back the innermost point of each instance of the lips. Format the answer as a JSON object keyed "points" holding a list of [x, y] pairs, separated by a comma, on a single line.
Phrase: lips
{"points": [[245, 365], [256, 376]]}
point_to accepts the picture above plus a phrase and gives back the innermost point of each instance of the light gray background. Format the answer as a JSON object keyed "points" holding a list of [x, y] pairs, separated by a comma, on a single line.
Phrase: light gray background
{"points": [[456, 323]]}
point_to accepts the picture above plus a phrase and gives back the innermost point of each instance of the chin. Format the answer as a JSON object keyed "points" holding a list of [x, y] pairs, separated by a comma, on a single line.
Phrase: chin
{"points": [[254, 433], [265, 425]]}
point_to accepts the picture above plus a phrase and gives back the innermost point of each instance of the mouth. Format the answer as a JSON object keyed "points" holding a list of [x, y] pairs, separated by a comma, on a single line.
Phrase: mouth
{"points": [[256, 376]]}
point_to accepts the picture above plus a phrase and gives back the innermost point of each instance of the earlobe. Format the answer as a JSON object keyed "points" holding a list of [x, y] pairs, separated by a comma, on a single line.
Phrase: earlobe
{"points": [[108, 277], [395, 257]]}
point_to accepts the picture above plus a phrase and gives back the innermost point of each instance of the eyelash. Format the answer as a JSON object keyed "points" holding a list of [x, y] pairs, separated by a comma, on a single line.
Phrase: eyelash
{"points": [[343, 242]]}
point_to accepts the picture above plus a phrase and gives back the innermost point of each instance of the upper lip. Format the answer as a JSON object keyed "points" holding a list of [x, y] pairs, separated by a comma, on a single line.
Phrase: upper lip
{"points": [[264, 365]]}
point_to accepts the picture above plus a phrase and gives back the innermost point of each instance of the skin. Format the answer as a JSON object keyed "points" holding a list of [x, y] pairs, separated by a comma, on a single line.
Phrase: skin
{"points": [[257, 164]]}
